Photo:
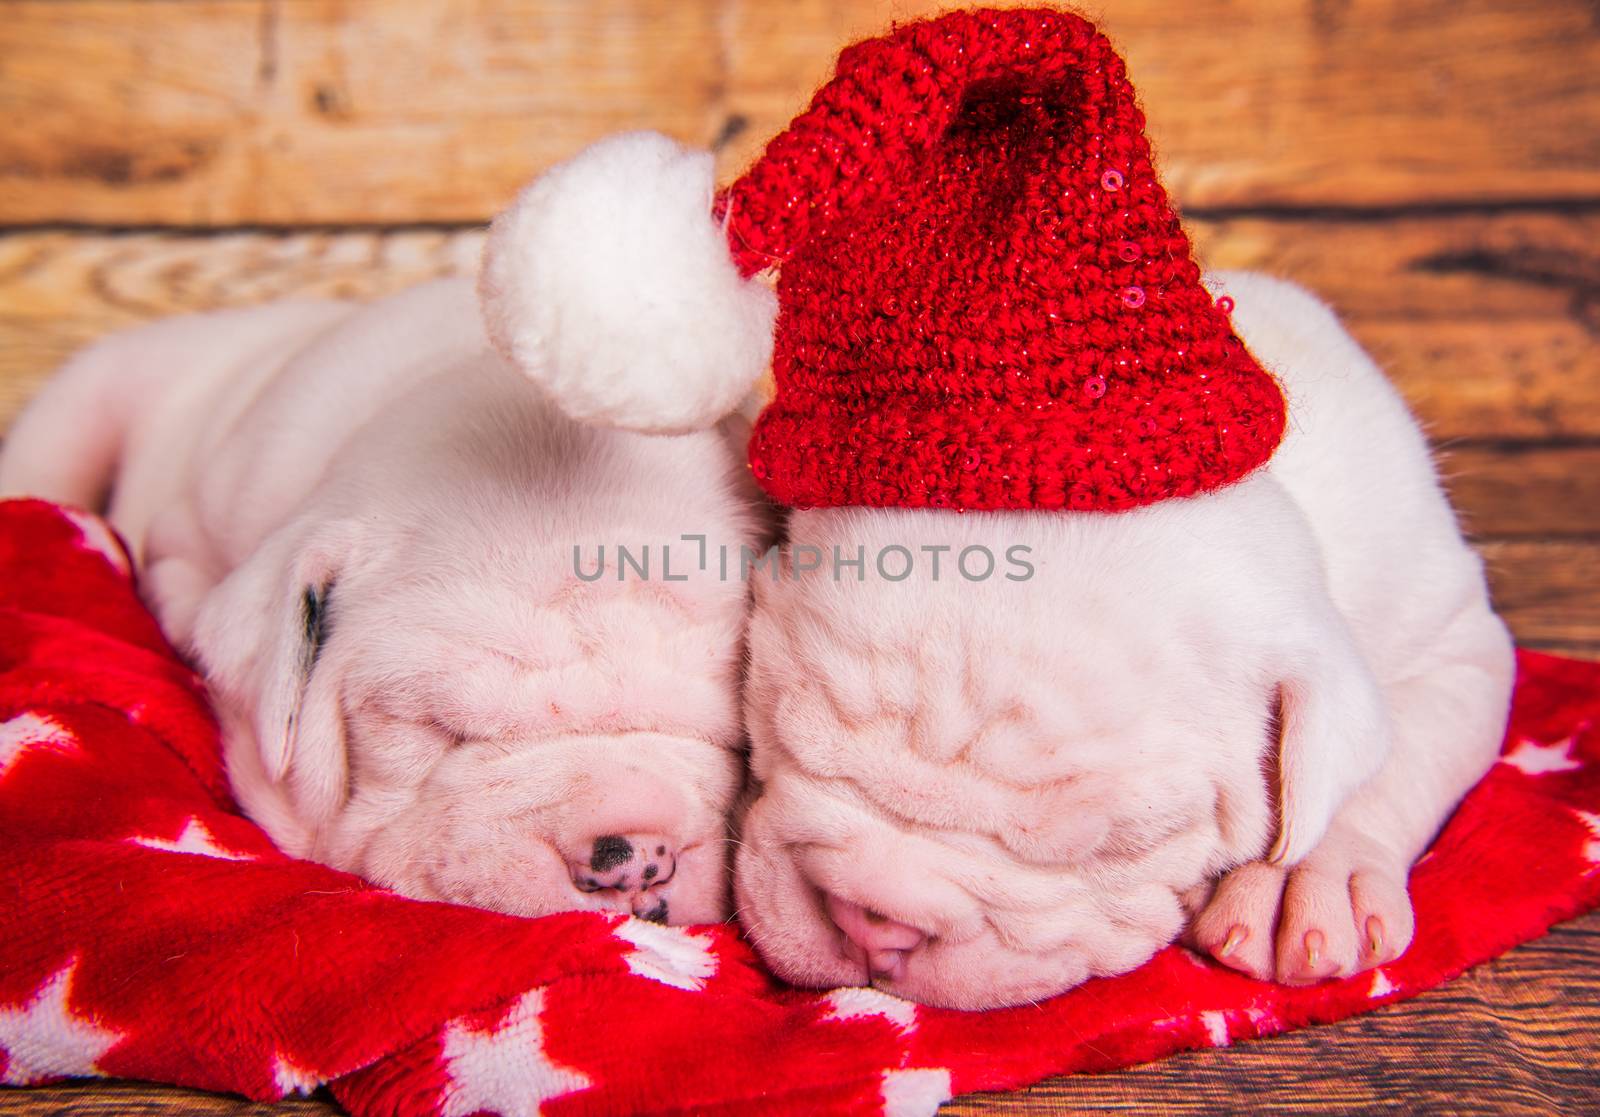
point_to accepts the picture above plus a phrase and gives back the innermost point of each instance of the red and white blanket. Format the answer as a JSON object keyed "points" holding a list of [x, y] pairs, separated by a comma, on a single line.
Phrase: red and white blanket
{"points": [[149, 931]]}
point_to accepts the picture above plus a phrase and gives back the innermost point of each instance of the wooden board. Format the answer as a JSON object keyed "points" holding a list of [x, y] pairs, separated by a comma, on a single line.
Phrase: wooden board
{"points": [[1515, 1036], [321, 111], [259, 112], [1525, 490], [1548, 591], [59, 291], [137, 1099]]}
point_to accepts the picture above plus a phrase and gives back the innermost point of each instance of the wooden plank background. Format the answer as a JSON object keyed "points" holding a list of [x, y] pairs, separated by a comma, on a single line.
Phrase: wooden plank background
{"points": [[289, 112], [1431, 167]]}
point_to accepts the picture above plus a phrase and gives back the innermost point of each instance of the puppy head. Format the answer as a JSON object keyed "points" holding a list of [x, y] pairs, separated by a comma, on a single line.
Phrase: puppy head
{"points": [[579, 751], [975, 793], [448, 709]]}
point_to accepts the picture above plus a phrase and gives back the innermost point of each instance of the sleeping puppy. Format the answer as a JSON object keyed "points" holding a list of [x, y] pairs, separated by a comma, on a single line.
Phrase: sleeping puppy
{"points": [[395, 562], [979, 793], [1098, 622]]}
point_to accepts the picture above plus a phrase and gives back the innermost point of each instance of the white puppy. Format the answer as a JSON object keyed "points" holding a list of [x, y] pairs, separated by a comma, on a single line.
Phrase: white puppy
{"points": [[975, 793], [378, 540]]}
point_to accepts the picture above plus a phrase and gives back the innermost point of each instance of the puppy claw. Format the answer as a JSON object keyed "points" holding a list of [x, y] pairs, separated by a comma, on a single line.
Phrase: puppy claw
{"points": [[1316, 921], [1237, 935], [1374, 935], [1314, 946]]}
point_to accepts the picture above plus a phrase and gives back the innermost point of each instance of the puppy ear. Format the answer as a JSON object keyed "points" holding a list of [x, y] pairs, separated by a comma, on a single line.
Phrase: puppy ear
{"points": [[1333, 735], [262, 636], [298, 646]]}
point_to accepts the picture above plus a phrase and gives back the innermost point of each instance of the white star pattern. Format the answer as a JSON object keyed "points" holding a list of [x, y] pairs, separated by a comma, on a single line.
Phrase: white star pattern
{"points": [[1381, 985], [31, 731], [1591, 849], [194, 838], [504, 1070], [856, 1004], [43, 1039], [292, 1079], [1216, 1025], [1167, 1023], [1534, 759], [918, 1092], [96, 536], [667, 954], [1216, 1022]]}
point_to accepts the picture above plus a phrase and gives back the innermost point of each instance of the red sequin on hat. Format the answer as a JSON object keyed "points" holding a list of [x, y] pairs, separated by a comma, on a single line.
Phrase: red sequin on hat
{"points": [[978, 265]]}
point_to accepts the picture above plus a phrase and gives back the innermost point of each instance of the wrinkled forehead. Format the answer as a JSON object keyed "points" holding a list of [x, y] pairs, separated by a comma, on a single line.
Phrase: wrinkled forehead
{"points": [[1163, 567], [1095, 706], [496, 656], [1068, 656]]}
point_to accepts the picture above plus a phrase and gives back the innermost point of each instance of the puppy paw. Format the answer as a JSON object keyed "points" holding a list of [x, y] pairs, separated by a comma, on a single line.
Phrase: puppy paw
{"points": [[1342, 910], [1236, 925]]}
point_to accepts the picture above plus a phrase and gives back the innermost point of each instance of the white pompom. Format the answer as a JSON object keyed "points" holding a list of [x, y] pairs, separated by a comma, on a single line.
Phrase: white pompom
{"points": [[610, 284]]}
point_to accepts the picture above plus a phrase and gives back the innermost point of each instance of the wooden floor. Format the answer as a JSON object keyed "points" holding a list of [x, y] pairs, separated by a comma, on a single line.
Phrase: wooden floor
{"points": [[1431, 167]]}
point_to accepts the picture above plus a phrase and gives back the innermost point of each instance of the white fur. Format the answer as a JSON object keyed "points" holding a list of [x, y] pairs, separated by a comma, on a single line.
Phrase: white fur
{"points": [[610, 285], [478, 714], [1045, 777]]}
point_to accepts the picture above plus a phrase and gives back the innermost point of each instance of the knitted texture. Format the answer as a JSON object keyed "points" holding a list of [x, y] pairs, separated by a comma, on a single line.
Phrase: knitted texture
{"points": [[986, 299]]}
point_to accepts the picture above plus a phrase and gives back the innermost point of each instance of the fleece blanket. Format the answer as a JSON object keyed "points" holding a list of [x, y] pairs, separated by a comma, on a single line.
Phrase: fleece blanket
{"points": [[149, 931]]}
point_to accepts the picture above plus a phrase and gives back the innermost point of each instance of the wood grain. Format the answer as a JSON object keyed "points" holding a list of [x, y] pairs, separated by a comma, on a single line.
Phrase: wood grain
{"points": [[1525, 489], [338, 111], [1548, 591], [140, 1099], [325, 111], [1517, 1035], [60, 291], [1422, 266], [1532, 379]]}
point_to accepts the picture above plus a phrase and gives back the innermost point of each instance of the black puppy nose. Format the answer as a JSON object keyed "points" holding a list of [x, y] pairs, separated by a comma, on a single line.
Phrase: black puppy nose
{"points": [[632, 867], [609, 852]]}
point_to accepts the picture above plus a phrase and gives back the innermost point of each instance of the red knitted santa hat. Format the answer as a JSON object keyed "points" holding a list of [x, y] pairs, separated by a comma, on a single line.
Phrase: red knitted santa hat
{"points": [[985, 298]]}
